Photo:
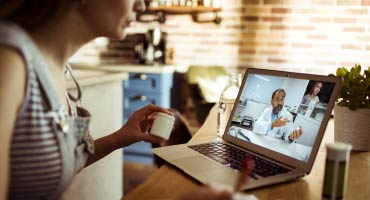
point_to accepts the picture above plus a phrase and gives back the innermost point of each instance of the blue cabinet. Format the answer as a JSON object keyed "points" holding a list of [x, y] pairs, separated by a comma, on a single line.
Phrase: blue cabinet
{"points": [[140, 90]]}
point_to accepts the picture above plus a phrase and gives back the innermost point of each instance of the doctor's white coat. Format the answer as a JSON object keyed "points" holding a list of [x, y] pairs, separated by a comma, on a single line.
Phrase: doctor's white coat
{"points": [[263, 124]]}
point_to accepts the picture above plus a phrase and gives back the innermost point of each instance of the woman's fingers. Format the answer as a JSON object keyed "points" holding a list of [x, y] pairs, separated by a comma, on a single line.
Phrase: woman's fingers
{"points": [[148, 110], [146, 124], [150, 138]]}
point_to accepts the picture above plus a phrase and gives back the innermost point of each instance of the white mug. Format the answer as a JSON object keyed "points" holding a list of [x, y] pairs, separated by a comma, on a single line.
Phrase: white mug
{"points": [[162, 125]]}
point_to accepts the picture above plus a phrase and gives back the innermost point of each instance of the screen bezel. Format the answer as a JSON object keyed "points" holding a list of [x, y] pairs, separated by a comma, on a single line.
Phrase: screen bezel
{"points": [[306, 166]]}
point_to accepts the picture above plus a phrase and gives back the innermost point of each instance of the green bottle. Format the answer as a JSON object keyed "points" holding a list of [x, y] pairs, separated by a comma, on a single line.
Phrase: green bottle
{"points": [[336, 171]]}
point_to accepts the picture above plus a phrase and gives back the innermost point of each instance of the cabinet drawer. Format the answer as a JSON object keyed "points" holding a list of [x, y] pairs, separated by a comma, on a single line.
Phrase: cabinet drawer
{"points": [[144, 82], [127, 114], [139, 152], [134, 101], [139, 148]]}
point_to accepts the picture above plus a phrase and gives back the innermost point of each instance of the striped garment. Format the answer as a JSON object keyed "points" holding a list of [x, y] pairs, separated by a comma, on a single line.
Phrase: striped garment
{"points": [[35, 153], [48, 147], [36, 164]]}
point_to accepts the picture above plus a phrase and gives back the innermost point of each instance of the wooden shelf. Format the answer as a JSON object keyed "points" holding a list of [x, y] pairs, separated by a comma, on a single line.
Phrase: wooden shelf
{"points": [[161, 11], [184, 9]]}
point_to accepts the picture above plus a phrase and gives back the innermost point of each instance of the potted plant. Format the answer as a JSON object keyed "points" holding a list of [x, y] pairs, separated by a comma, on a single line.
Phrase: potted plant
{"points": [[352, 109]]}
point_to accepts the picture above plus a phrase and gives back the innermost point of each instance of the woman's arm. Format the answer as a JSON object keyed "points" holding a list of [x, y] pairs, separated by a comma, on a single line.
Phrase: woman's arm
{"points": [[12, 85], [133, 131]]}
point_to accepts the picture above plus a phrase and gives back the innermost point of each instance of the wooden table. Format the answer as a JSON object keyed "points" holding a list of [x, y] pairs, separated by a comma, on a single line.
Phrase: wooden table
{"points": [[169, 182]]}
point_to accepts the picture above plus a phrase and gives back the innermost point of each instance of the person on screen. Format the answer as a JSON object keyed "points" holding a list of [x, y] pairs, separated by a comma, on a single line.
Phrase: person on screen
{"points": [[312, 95], [276, 121]]}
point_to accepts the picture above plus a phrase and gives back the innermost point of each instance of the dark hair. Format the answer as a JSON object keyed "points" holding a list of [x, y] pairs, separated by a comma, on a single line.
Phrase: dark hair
{"points": [[277, 90], [31, 13], [313, 86]]}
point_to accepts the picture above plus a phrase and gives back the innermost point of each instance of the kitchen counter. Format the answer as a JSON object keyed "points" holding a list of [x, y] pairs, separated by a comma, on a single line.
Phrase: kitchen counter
{"points": [[133, 68]]}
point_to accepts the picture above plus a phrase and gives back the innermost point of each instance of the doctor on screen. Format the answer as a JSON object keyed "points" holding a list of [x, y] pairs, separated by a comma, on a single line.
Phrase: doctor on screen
{"points": [[276, 121]]}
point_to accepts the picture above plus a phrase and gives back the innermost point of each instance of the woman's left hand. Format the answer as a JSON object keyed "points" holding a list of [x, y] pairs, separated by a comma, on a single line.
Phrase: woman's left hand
{"points": [[137, 127]]}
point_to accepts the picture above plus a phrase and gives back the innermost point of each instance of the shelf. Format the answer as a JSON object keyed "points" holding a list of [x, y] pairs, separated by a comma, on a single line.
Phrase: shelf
{"points": [[184, 9], [160, 13]]}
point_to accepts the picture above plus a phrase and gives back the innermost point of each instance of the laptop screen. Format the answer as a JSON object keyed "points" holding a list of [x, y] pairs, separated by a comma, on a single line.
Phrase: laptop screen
{"points": [[280, 113]]}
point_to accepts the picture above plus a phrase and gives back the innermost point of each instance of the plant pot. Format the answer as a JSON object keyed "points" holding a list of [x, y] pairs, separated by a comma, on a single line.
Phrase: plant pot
{"points": [[352, 127]]}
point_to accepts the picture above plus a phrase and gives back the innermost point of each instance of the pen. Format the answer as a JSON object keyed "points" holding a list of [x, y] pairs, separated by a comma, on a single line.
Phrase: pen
{"points": [[244, 173]]}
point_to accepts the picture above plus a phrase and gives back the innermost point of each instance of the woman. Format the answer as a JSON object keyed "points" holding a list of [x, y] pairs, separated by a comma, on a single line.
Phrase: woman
{"points": [[44, 139], [312, 95]]}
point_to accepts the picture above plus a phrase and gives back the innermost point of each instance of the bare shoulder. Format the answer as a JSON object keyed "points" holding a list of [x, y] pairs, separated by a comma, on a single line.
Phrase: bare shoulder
{"points": [[12, 75], [10, 57], [11, 63], [12, 84]]}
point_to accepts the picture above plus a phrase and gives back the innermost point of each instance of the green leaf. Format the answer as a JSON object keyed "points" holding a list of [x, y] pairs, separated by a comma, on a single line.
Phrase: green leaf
{"points": [[341, 72], [355, 91], [358, 69]]}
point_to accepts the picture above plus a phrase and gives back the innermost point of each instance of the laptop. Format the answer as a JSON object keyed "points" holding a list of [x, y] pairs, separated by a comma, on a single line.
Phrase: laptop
{"points": [[306, 102]]}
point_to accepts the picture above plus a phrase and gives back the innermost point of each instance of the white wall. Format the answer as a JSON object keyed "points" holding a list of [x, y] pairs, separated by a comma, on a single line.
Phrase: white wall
{"points": [[310, 129], [260, 87], [294, 89], [254, 109]]}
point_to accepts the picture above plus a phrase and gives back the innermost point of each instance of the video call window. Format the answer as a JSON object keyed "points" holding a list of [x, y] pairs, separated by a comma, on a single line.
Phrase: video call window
{"points": [[281, 114]]}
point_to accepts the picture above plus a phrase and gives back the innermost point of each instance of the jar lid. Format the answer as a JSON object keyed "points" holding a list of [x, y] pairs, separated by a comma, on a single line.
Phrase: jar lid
{"points": [[170, 117], [338, 151]]}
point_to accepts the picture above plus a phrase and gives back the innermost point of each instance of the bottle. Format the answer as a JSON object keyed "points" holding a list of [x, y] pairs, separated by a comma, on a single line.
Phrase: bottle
{"points": [[207, 3], [216, 3], [226, 102], [194, 3], [336, 171]]}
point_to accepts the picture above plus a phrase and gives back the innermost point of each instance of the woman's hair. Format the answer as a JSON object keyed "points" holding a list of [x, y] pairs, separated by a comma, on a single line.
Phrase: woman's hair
{"points": [[313, 86], [31, 13]]}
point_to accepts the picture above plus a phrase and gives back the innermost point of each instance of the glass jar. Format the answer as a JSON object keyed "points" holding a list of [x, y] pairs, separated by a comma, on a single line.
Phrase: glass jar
{"points": [[207, 3], [226, 102]]}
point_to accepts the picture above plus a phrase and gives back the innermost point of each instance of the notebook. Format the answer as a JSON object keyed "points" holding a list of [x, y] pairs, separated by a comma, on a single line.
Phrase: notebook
{"points": [[278, 120]]}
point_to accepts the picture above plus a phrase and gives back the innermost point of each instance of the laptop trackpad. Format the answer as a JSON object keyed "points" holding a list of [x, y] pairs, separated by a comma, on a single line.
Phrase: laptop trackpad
{"points": [[195, 164]]}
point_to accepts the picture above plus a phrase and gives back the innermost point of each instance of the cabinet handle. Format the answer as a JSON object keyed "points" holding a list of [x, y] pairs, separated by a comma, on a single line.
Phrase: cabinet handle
{"points": [[141, 77], [139, 98]]}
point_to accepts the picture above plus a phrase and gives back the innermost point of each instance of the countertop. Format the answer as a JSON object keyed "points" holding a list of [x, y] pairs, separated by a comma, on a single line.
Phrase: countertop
{"points": [[86, 77], [132, 68]]}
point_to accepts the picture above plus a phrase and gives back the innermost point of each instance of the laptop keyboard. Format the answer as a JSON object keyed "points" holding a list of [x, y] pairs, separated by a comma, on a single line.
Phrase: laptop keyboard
{"points": [[233, 158]]}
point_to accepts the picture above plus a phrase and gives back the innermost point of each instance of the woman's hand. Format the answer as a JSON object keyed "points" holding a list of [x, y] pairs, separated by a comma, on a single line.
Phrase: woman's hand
{"points": [[137, 127], [134, 130]]}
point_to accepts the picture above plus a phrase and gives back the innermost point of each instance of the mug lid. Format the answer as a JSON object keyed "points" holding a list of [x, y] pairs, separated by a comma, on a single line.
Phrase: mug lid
{"points": [[170, 117]]}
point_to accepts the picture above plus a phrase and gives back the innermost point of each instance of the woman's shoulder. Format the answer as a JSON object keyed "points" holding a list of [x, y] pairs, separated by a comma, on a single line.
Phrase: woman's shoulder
{"points": [[12, 75], [11, 60], [15, 37]]}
